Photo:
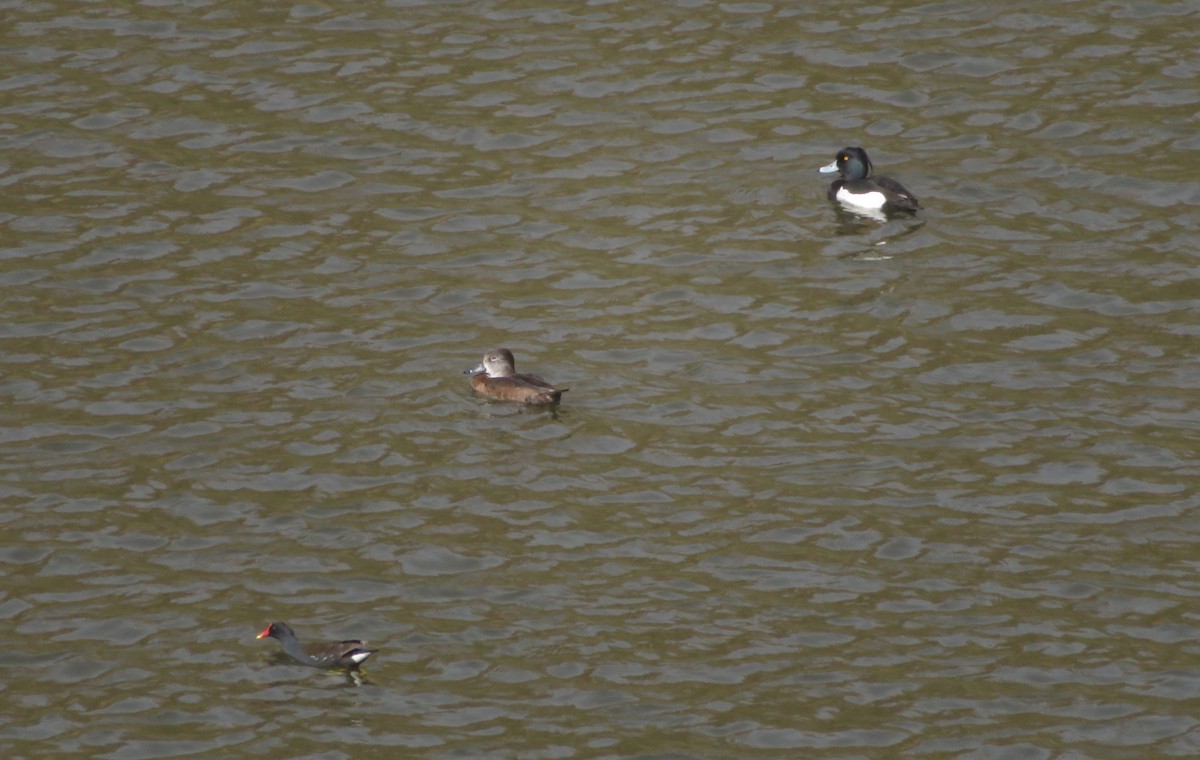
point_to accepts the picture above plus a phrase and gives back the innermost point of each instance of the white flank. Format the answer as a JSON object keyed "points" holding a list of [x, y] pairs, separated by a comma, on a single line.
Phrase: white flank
{"points": [[873, 199]]}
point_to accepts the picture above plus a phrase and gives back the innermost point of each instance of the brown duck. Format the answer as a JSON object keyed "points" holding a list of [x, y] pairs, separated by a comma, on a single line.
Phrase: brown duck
{"points": [[496, 377]]}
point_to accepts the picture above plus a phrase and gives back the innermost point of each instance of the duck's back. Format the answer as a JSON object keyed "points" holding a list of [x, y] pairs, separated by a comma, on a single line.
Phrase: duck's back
{"points": [[897, 195], [527, 389]]}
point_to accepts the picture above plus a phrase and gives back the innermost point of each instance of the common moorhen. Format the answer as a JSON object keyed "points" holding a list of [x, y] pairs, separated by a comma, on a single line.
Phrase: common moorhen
{"points": [[347, 654]]}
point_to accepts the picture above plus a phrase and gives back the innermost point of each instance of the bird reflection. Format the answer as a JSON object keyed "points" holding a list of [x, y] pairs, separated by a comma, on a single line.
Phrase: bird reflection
{"points": [[867, 223]]}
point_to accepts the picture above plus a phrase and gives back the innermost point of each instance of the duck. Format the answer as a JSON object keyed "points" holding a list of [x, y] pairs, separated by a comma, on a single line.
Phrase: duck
{"points": [[857, 188], [346, 655], [496, 377]]}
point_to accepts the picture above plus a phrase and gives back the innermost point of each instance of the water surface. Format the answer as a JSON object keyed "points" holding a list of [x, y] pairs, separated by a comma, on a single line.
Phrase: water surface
{"points": [[822, 486]]}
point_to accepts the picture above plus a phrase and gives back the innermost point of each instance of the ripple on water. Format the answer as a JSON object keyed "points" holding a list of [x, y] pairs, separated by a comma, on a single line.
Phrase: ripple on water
{"points": [[819, 482]]}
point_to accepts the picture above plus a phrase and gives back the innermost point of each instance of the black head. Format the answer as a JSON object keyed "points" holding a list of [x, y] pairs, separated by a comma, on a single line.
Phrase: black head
{"points": [[277, 631], [852, 163]]}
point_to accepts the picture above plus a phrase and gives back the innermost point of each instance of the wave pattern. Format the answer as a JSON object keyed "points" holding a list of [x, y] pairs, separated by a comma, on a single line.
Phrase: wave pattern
{"points": [[821, 485]]}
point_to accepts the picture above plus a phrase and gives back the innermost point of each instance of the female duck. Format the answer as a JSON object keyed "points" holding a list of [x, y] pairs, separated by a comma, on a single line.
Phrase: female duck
{"points": [[496, 377], [857, 188]]}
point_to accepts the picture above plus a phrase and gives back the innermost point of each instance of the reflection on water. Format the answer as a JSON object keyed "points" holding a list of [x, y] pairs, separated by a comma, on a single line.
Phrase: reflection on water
{"points": [[821, 481], [853, 220], [870, 232]]}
